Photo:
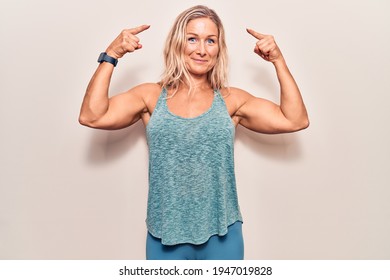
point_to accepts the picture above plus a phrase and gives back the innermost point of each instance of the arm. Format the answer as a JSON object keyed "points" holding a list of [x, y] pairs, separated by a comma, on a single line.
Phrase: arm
{"points": [[100, 111], [264, 116]]}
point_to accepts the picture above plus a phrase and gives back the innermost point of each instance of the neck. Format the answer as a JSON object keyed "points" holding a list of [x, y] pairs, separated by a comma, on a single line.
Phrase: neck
{"points": [[197, 83]]}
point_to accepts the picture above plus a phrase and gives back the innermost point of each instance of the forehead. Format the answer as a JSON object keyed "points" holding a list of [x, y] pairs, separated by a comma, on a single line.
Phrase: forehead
{"points": [[202, 26]]}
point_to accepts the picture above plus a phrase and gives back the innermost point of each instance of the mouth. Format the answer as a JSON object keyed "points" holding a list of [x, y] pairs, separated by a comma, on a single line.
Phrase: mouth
{"points": [[197, 60]]}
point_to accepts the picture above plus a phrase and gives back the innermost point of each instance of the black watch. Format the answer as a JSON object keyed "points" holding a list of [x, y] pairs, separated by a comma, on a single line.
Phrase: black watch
{"points": [[105, 57]]}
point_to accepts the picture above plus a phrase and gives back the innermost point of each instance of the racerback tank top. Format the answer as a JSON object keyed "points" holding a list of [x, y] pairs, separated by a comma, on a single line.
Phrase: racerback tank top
{"points": [[192, 186]]}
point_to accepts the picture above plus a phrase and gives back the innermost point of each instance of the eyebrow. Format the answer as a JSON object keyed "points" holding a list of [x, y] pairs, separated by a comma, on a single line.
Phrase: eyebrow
{"points": [[212, 35]]}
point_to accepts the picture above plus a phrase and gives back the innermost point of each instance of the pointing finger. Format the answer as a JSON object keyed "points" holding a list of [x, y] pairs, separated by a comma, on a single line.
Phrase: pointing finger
{"points": [[139, 29], [255, 34]]}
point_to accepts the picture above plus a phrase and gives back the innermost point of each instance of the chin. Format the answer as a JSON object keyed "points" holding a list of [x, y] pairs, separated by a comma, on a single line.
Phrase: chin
{"points": [[199, 72]]}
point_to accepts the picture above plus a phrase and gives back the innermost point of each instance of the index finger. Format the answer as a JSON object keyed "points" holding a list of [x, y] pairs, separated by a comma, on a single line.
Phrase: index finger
{"points": [[255, 34], [139, 29]]}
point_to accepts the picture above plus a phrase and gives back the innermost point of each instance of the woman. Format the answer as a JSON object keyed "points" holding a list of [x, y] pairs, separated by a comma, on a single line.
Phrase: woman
{"points": [[190, 118]]}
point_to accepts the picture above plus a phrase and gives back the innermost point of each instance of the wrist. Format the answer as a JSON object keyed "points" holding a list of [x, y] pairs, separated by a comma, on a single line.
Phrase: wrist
{"points": [[104, 57], [112, 53], [279, 62]]}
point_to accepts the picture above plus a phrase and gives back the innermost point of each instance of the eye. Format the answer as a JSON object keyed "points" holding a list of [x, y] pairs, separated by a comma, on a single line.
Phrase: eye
{"points": [[191, 40], [210, 41]]}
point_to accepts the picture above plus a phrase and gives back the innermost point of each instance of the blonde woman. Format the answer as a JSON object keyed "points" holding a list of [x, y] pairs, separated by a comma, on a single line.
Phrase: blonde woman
{"points": [[190, 118]]}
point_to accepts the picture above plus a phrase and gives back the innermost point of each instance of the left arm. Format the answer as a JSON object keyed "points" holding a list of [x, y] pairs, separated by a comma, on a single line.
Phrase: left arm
{"points": [[264, 116]]}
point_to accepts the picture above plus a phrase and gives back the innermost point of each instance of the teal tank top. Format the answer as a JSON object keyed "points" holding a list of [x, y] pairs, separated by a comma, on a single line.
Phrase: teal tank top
{"points": [[192, 185]]}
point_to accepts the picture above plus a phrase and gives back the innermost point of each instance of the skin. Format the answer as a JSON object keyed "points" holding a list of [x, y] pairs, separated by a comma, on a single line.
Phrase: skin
{"points": [[201, 51], [202, 48]]}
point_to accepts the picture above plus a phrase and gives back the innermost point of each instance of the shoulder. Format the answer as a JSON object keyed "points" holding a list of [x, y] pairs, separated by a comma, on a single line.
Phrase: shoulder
{"points": [[235, 92], [146, 88], [148, 92], [235, 97]]}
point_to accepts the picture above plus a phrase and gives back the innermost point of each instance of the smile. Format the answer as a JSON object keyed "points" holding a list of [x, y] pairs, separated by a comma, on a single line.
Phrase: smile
{"points": [[199, 60]]}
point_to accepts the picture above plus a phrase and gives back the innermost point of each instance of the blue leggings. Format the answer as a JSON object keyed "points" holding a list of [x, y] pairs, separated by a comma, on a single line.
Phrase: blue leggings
{"points": [[227, 247]]}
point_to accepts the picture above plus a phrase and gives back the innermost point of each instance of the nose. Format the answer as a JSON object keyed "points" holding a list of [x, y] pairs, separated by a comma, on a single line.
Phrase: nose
{"points": [[201, 50]]}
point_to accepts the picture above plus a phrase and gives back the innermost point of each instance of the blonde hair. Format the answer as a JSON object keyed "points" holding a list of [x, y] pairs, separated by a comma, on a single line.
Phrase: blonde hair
{"points": [[176, 71]]}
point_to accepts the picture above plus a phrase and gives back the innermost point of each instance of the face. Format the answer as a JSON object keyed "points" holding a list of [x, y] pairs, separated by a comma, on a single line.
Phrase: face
{"points": [[202, 48]]}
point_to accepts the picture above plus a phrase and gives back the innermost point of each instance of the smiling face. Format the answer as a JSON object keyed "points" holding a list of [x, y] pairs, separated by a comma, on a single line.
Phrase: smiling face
{"points": [[201, 49]]}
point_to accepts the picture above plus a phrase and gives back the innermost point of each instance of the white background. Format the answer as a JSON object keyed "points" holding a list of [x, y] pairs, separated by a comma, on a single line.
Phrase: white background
{"points": [[70, 192]]}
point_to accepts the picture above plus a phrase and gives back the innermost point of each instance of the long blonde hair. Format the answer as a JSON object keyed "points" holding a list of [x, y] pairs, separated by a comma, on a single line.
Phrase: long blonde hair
{"points": [[176, 71]]}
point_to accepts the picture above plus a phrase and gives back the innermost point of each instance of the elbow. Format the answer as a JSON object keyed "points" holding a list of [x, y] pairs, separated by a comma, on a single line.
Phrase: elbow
{"points": [[82, 120], [86, 121], [303, 124], [96, 123], [306, 123], [298, 125]]}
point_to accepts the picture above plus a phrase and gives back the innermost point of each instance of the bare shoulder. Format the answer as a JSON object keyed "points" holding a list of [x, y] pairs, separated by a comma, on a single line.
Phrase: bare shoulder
{"points": [[149, 94], [146, 89], [235, 98], [235, 93]]}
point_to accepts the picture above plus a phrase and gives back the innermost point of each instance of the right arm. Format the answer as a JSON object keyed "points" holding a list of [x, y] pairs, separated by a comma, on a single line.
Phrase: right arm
{"points": [[100, 111]]}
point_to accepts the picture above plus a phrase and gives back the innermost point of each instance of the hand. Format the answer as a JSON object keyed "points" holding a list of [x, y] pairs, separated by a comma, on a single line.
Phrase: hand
{"points": [[126, 42], [266, 46]]}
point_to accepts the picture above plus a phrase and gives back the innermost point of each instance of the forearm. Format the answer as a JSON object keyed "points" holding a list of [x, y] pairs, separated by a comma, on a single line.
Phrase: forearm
{"points": [[96, 100], [291, 102]]}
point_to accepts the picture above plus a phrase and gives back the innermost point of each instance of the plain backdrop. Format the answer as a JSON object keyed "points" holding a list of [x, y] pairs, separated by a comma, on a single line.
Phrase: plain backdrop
{"points": [[71, 192]]}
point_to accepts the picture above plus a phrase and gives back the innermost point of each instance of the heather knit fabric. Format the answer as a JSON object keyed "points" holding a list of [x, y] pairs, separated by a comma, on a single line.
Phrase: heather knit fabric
{"points": [[192, 185]]}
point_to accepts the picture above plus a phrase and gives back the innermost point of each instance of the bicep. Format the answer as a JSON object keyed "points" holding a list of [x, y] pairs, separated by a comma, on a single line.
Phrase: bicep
{"points": [[123, 110], [263, 116]]}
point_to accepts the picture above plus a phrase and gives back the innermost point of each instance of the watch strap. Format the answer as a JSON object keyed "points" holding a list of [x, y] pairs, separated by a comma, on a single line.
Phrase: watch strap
{"points": [[104, 57]]}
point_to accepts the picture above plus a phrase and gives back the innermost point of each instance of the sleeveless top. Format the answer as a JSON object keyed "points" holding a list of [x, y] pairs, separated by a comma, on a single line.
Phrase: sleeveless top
{"points": [[192, 186]]}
